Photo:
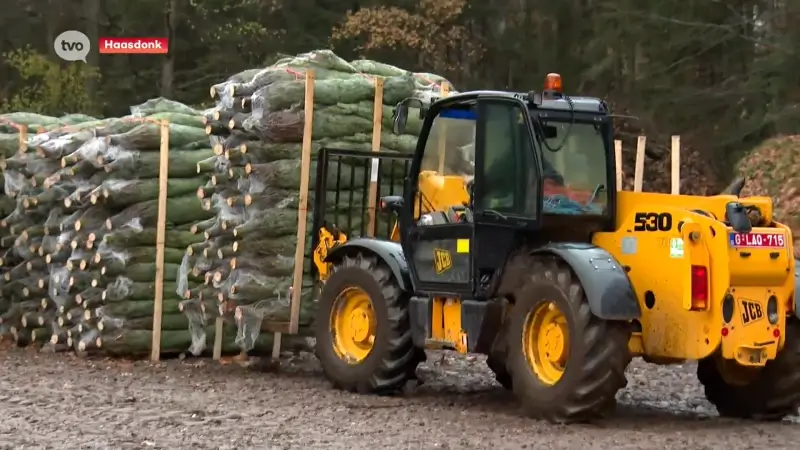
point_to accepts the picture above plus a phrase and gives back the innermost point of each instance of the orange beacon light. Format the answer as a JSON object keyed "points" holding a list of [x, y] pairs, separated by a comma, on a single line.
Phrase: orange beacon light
{"points": [[552, 83]]}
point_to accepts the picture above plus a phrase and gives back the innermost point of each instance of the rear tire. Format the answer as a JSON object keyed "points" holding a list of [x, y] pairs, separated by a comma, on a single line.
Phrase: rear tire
{"points": [[774, 392], [392, 359], [595, 353]]}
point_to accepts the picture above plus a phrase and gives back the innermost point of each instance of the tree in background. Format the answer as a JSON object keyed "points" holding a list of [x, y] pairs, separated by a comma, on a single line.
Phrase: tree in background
{"points": [[723, 75], [42, 85]]}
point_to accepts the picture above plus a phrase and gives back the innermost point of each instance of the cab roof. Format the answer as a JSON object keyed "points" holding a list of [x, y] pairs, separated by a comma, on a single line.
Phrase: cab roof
{"points": [[582, 104]]}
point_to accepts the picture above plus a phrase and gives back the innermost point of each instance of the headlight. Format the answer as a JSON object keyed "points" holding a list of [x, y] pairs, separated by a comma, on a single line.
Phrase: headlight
{"points": [[772, 309]]}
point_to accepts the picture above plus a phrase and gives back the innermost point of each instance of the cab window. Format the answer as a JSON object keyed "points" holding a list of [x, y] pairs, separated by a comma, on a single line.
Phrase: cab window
{"points": [[574, 168], [450, 148], [509, 168], [447, 167]]}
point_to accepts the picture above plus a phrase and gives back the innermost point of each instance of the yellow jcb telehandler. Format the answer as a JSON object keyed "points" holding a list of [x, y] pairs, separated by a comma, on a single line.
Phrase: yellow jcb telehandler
{"points": [[536, 260]]}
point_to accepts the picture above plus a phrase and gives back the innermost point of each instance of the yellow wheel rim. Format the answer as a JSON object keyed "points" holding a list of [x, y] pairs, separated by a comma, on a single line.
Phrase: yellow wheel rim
{"points": [[545, 342], [353, 325]]}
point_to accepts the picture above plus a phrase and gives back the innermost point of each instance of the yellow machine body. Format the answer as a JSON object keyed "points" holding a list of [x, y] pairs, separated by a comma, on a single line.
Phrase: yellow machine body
{"points": [[672, 328], [328, 239], [659, 266]]}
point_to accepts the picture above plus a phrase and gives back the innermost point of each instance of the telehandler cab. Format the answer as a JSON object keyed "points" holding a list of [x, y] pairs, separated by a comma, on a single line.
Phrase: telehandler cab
{"points": [[532, 257]]}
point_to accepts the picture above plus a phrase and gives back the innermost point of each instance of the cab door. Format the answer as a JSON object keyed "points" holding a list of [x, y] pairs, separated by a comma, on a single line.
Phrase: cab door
{"points": [[437, 242], [508, 189]]}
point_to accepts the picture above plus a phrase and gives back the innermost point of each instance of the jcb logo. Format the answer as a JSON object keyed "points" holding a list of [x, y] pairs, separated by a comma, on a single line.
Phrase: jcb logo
{"points": [[441, 260], [751, 312]]}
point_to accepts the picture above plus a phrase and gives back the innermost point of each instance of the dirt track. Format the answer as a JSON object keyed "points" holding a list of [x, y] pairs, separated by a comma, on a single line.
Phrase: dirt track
{"points": [[61, 401]]}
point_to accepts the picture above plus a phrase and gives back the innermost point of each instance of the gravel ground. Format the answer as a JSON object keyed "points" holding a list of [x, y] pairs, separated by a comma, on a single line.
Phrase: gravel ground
{"points": [[62, 401]]}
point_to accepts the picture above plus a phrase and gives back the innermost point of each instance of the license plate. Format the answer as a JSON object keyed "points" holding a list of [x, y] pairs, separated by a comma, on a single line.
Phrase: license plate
{"points": [[758, 240]]}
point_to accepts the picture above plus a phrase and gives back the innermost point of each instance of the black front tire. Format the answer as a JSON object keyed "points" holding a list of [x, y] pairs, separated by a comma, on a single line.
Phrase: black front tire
{"points": [[772, 395], [598, 349], [501, 375], [393, 359]]}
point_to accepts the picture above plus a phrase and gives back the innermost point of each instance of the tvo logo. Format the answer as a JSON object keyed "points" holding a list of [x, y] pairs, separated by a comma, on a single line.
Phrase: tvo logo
{"points": [[72, 45]]}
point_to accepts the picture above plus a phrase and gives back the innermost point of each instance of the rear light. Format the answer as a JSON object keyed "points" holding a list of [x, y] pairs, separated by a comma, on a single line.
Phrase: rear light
{"points": [[699, 288]]}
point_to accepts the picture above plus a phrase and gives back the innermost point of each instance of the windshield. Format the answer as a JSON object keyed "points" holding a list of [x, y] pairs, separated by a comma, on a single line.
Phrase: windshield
{"points": [[575, 174]]}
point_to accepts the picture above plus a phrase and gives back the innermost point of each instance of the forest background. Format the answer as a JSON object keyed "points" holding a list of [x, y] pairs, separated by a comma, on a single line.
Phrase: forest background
{"points": [[725, 75]]}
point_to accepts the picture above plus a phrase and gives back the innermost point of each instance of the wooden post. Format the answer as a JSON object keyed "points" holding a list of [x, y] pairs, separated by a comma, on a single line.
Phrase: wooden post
{"points": [[639, 173], [23, 138], [618, 162], [445, 90], [302, 208], [216, 353], [676, 165], [377, 118], [276, 345], [158, 301]]}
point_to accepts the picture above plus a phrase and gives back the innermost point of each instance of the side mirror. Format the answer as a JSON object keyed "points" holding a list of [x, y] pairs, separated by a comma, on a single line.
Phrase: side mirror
{"points": [[736, 216], [399, 118], [392, 203], [400, 114]]}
